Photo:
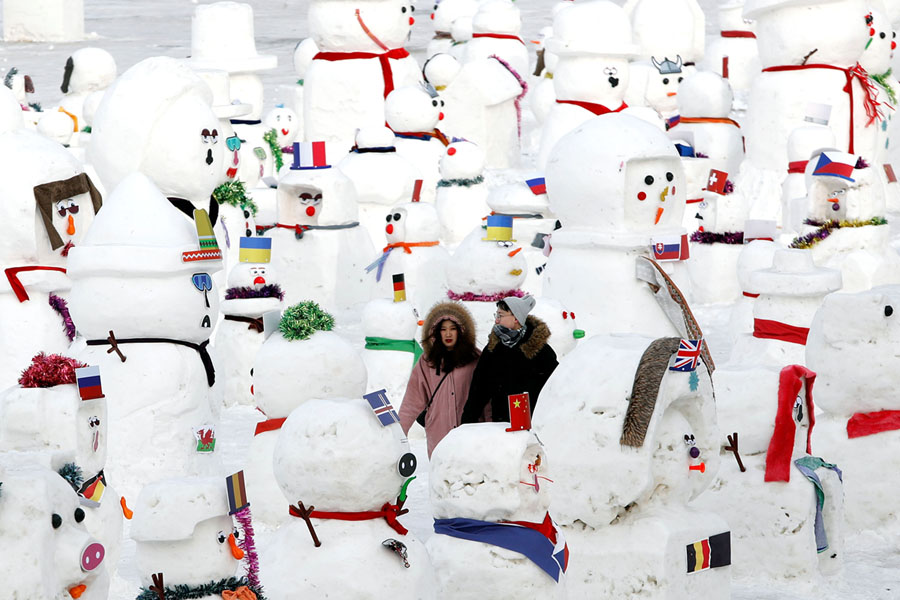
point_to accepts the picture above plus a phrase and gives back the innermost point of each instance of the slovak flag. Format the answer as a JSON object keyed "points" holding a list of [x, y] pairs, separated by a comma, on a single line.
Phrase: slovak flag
{"points": [[537, 185], [716, 182], [835, 164], [309, 155], [688, 356], [670, 247]]}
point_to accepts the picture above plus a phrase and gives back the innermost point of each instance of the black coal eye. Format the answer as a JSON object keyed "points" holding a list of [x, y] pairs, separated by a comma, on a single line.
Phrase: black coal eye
{"points": [[888, 310], [237, 534], [882, 35], [669, 177], [665, 81], [388, 218], [442, 102], [412, 8], [648, 179], [56, 521], [396, 216], [895, 34], [221, 537], [79, 515], [435, 7], [434, 102], [403, 9], [246, 214]]}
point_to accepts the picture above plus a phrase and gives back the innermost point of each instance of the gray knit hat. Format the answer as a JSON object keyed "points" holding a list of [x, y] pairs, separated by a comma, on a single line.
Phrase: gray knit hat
{"points": [[520, 307]]}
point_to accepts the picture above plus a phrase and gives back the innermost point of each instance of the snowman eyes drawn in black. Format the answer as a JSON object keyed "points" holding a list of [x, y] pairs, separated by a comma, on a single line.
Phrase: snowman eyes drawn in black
{"points": [[221, 537], [210, 137], [505, 244], [395, 217], [407, 464], [669, 176], [648, 180]]}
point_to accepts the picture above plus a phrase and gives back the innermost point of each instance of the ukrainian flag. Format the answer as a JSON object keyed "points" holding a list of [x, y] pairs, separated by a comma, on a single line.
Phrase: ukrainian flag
{"points": [[499, 228], [255, 249]]}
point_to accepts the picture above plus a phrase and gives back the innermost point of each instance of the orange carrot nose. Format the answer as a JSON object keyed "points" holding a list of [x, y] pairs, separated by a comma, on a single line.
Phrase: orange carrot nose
{"points": [[77, 591], [701, 467], [126, 512], [514, 252], [236, 552], [71, 228], [835, 200], [659, 213], [670, 94]]}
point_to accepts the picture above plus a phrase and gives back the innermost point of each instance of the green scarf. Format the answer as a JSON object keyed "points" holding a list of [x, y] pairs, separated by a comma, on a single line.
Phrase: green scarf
{"points": [[380, 343]]}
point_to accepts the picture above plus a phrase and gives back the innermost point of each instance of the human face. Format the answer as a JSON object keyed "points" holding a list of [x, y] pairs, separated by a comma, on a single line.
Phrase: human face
{"points": [[449, 334], [506, 318]]}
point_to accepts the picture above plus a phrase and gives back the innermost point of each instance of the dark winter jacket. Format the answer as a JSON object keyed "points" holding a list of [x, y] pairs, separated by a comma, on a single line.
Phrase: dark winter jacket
{"points": [[504, 371]]}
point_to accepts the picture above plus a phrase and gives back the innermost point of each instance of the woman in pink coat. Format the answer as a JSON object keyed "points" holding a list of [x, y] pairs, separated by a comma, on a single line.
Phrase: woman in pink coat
{"points": [[440, 380]]}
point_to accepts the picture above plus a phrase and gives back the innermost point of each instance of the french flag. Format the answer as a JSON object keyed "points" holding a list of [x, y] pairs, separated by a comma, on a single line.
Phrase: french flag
{"points": [[309, 155], [835, 164]]}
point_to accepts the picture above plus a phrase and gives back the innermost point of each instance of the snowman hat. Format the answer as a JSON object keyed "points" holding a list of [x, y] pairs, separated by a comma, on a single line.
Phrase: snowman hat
{"points": [[376, 136], [781, 446], [170, 509], [793, 273], [220, 84], [592, 28], [222, 37], [753, 9], [497, 16]]}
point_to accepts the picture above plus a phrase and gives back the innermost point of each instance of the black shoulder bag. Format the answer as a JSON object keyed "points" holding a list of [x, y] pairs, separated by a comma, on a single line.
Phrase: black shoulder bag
{"points": [[421, 418]]}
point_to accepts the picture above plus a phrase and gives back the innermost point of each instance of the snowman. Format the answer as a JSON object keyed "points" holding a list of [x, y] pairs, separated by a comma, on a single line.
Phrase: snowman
{"points": [[304, 338], [802, 143], [186, 543], [461, 192], [413, 248], [654, 84], [616, 184], [284, 123], [22, 87], [444, 14], [413, 114], [486, 267], [496, 28], [87, 70], [252, 291], [304, 52], [664, 28], [391, 349], [632, 454], [490, 493], [159, 302], [733, 54], [781, 531], [589, 38], [382, 177], [361, 60], [317, 242], [543, 96], [755, 256], [50, 553], [345, 474], [49, 202], [564, 331]]}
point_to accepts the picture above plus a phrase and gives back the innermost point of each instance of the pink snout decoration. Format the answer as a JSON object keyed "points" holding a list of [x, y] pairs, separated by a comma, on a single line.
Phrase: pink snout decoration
{"points": [[92, 556]]}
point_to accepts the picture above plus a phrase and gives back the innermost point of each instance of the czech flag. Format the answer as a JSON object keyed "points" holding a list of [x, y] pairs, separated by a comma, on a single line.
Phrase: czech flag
{"points": [[835, 164], [88, 379], [255, 249], [538, 185]]}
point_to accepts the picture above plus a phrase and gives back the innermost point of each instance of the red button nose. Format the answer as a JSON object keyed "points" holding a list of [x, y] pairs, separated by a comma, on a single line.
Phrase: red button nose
{"points": [[310, 211], [411, 20], [389, 229], [440, 116], [451, 151], [259, 281], [432, 16], [893, 45]]}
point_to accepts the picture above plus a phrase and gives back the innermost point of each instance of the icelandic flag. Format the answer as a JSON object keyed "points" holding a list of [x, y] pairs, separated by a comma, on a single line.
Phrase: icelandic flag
{"points": [[309, 155], [688, 356], [835, 164], [542, 543], [382, 408], [255, 250], [667, 248], [538, 185], [88, 379]]}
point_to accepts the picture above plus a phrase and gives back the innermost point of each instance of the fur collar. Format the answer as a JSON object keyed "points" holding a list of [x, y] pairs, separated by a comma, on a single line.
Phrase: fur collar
{"points": [[454, 311], [535, 338]]}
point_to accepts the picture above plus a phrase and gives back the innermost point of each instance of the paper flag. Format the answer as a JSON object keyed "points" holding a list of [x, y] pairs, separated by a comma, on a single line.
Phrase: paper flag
{"points": [[519, 412], [206, 438], [499, 228], [835, 164], [688, 356], [710, 553], [88, 379], [382, 408], [399, 288], [309, 155], [716, 181], [889, 171], [255, 249], [417, 190], [91, 491], [538, 185], [670, 247], [237, 492]]}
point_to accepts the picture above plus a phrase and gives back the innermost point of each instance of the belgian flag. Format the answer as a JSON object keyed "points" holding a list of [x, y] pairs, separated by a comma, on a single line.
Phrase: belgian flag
{"points": [[710, 553]]}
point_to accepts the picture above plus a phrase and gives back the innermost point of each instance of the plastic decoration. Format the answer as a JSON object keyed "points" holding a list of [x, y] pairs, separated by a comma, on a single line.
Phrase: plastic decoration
{"points": [[461, 182], [710, 237], [233, 193], [270, 290], [882, 80], [72, 474], [473, 297], [518, 100], [824, 229], [399, 548], [303, 319], [230, 587], [62, 309], [271, 138], [48, 370]]}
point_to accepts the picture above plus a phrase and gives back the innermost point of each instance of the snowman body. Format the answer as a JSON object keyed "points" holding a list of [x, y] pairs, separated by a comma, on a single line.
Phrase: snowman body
{"points": [[733, 52], [495, 32], [390, 353], [461, 194]]}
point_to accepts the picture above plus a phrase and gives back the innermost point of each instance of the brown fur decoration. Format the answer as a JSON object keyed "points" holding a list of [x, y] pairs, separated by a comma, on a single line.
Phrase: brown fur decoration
{"points": [[653, 366]]}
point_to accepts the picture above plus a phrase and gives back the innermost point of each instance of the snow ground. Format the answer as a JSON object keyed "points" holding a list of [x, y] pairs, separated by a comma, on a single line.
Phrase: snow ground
{"points": [[136, 29]]}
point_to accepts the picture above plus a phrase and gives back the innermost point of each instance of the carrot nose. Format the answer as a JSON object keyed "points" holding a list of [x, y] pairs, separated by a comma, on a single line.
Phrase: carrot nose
{"points": [[77, 591], [701, 467], [659, 213], [670, 94], [514, 252], [236, 552], [71, 228], [126, 512], [833, 200]]}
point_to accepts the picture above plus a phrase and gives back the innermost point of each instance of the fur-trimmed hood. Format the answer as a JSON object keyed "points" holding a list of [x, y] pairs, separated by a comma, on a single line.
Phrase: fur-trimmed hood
{"points": [[454, 311], [536, 337]]}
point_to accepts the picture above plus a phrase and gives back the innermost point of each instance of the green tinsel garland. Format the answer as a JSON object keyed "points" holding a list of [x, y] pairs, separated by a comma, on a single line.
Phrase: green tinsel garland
{"points": [[189, 592], [460, 182], [304, 319], [271, 138], [87, 129], [824, 230], [882, 81], [72, 474], [234, 194]]}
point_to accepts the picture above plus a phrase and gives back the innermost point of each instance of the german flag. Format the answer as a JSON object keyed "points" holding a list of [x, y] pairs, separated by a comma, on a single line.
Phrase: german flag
{"points": [[710, 553], [237, 492], [399, 288], [92, 489]]}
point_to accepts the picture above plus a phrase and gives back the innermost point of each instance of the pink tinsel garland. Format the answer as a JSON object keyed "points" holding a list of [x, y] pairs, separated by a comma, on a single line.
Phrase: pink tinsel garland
{"points": [[48, 370], [62, 307], [518, 101], [471, 297], [247, 544]]}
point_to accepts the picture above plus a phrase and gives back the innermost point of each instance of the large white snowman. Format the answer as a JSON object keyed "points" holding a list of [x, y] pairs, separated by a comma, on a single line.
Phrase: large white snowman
{"points": [[461, 198], [392, 349], [495, 32], [49, 202], [490, 494], [145, 310], [348, 474], [360, 61], [733, 53], [87, 70]]}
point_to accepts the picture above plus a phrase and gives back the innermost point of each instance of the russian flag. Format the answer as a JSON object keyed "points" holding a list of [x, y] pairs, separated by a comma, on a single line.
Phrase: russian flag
{"points": [[538, 185], [835, 164], [88, 379]]}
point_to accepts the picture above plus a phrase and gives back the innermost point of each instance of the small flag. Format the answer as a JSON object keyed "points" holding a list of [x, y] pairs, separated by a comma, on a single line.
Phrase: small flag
{"points": [[399, 288], [417, 190], [237, 492], [255, 250], [206, 438], [670, 247], [835, 164], [209, 246], [92, 490], [499, 229], [688, 356], [716, 182], [538, 185], [889, 171], [309, 155], [88, 379], [710, 553], [519, 412], [382, 408]]}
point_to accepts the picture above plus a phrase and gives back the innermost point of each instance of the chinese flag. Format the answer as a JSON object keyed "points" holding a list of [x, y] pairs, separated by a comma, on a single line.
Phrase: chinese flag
{"points": [[519, 412]]}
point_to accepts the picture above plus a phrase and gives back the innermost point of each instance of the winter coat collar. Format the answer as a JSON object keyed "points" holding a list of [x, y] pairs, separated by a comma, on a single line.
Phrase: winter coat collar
{"points": [[535, 338], [454, 311]]}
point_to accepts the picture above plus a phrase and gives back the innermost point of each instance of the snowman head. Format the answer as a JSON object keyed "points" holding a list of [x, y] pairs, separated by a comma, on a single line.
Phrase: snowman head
{"points": [[88, 70], [564, 331], [837, 190], [252, 275], [183, 529], [315, 196], [440, 70], [674, 452], [20, 84], [284, 121], [412, 222], [91, 425], [704, 94], [300, 204], [232, 153], [794, 422], [57, 126], [462, 160], [876, 59], [304, 52], [576, 78], [497, 16], [413, 109], [446, 12], [481, 471], [367, 26], [388, 319], [663, 79], [486, 266]]}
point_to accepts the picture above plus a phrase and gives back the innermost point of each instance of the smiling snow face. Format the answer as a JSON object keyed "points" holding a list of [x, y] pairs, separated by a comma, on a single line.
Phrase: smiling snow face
{"points": [[284, 121], [371, 26], [412, 109], [654, 195], [253, 275]]}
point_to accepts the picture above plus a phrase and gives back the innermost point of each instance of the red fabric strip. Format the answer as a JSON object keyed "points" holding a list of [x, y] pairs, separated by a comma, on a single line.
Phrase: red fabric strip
{"points": [[862, 424], [707, 120], [298, 229], [407, 245], [386, 72], [775, 330], [269, 425], [498, 36], [693, 201], [597, 109], [781, 445], [749, 295], [388, 512], [16, 285], [797, 166], [545, 527], [737, 34]]}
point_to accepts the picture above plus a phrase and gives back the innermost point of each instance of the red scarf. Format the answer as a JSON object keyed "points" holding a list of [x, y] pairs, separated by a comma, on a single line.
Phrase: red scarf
{"points": [[498, 36], [775, 330], [597, 109], [297, 229], [737, 34], [797, 166], [862, 424], [389, 512], [781, 446], [17, 286], [706, 120], [383, 58], [854, 72], [545, 527], [269, 425]]}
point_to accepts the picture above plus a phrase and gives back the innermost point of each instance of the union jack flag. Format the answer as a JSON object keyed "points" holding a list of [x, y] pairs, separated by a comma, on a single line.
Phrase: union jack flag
{"points": [[688, 355], [382, 408]]}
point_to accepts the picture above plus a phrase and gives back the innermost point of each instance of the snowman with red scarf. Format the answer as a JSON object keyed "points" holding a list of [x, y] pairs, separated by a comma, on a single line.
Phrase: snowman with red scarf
{"points": [[360, 61]]}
